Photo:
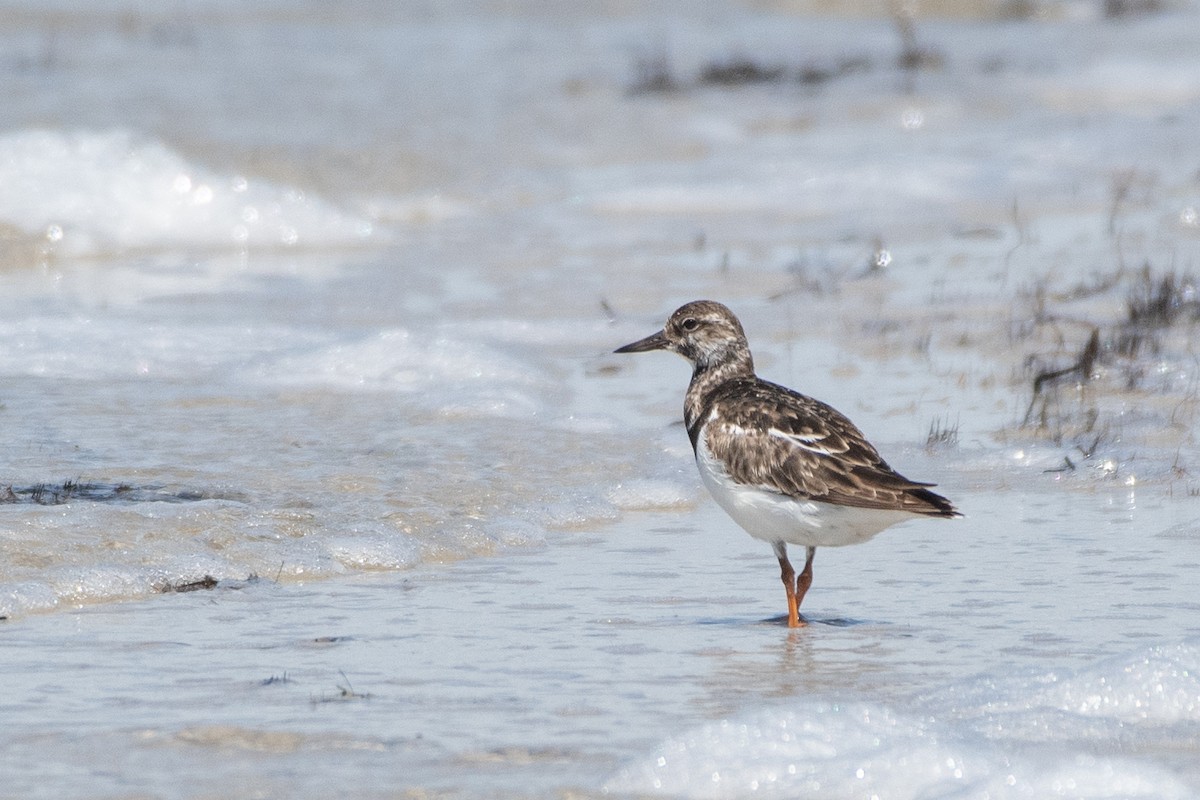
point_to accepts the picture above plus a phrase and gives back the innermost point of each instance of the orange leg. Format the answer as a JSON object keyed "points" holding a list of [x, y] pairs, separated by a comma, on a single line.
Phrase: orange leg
{"points": [[805, 579], [788, 575]]}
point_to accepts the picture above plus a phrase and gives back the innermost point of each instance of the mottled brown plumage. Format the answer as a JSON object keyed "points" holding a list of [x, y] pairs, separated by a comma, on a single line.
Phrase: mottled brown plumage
{"points": [[770, 436], [786, 467]]}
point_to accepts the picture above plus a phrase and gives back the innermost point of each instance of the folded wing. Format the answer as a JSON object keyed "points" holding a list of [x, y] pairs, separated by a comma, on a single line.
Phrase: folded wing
{"points": [[767, 435]]}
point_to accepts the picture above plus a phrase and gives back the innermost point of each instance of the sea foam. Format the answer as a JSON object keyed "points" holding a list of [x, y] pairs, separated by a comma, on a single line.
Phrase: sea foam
{"points": [[94, 192], [946, 749]]}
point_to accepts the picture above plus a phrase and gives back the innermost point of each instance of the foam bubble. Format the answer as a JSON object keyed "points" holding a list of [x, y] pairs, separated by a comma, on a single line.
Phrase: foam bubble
{"points": [[828, 749], [473, 537], [814, 749], [1151, 691], [516, 533], [651, 495], [95, 191], [577, 512], [1160, 684], [368, 550], [26, 597], [455, 376], [1038, 735], [100, 583]]}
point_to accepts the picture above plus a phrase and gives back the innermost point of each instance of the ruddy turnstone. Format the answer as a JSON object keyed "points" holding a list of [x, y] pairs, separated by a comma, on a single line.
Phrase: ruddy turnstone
{"points": [[789, 469]]}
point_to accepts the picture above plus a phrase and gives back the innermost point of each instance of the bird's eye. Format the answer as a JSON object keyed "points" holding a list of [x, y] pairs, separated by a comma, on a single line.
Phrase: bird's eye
{"points": [[690, 324]]}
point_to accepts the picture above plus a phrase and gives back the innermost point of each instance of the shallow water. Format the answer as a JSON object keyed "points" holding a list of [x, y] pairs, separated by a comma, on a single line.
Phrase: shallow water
{"points": [[329, 305], [592, 659]]}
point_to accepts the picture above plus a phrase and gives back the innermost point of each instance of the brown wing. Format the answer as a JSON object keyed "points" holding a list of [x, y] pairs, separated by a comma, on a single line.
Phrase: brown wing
{"points": [[767, 435]]}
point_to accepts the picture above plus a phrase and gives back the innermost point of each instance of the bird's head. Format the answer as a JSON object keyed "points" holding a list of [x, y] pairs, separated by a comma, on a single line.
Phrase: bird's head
{"points": [[704, 332]]}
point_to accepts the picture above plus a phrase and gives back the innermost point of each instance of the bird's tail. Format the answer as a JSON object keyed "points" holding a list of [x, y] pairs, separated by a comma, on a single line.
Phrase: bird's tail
{"points": [[931, 504]]}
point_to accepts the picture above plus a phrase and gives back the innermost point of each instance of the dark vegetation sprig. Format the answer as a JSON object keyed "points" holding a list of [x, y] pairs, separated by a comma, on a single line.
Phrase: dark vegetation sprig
{"points": [[52, 494], [943, 434], [1159, 307]]}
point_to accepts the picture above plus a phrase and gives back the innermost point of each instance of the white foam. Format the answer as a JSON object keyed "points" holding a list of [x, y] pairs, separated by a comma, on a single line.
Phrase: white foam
{"points": [[1161, 684], [93, 584], [92, 192], [1152, 691], [979, 748], [456, 376], [515, 533], [27, 597], [373, 550], [651, 495], [455, 539], [825, 749], [578, 512], [819, 749]]}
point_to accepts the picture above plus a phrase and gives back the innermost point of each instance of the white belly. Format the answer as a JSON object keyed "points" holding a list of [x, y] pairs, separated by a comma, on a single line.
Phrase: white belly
{"points": [[774, 517]]}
